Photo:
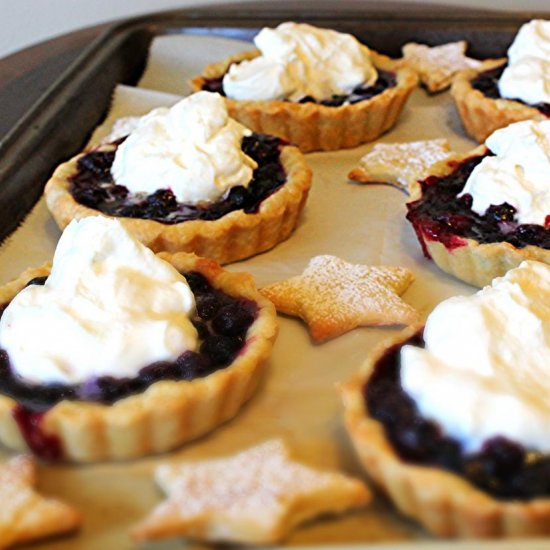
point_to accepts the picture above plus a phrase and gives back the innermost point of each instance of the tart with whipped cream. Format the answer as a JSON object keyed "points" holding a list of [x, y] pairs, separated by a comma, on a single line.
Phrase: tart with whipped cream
{"points": [[189, 179], [316, 88], [511, 90], [480, 214], [117, 353], [451, 420]]}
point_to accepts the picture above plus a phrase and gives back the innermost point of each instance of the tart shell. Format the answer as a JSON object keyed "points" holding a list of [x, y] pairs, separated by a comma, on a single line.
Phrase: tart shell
{"points": [[168, 413], [232, 237], [315, 127], [441, 501], [481, 115], [471, 261]]}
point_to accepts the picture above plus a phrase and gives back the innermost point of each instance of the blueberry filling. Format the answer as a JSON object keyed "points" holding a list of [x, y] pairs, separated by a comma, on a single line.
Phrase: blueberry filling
{"points": [[440, 216], [93, 186], [487, 83], [502, 468], [46, 446], [384, 81], [222, 322]]}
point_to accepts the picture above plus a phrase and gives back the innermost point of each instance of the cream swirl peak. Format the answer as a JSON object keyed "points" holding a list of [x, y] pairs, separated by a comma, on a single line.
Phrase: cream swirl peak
{"points": [[193, 149], [109, 308], [300, 60], [518, 174], [527, 76], [484, 370]]}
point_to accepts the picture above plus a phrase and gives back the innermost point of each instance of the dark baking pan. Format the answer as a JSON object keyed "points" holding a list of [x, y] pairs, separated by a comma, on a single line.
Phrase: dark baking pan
{"points": [[59, 123]]}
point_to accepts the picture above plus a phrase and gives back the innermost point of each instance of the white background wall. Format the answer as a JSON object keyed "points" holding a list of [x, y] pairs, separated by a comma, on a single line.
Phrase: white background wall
{"points": [[27, 22]]}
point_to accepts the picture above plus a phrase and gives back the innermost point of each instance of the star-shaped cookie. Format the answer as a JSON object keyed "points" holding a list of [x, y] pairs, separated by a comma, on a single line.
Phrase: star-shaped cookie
{"points": [[254, 497], [24, 514], [333, 296], [437, 65], [400, 164]]}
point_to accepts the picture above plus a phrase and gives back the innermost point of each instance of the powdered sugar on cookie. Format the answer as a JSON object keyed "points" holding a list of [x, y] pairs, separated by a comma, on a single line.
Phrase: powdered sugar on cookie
{"points": [[437, 65], [333, 296], [400, 164], [24, 514], [254, 497]]}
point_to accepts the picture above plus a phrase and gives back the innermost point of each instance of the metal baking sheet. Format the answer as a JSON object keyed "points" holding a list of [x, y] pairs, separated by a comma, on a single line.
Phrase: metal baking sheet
{"points": [[297, 400]]}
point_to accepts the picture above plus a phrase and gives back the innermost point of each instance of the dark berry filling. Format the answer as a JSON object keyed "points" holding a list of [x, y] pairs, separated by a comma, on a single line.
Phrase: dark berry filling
{"points": [[384, 81], [487, 83], [502, 467], [93, 186], [440, 216], [46, 446], [222, 322]]}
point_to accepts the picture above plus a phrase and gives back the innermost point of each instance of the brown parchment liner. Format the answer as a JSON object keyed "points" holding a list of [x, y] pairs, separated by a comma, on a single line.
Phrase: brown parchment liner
{"points": [[168, 413], [232, 237], [474, 262], [314, 127], [481, 115], [441, 501]]}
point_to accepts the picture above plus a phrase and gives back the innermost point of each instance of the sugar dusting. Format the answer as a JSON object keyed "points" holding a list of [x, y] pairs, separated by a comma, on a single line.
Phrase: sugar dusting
{"points": [[402, 163], [261, 478], [437, 65], [24, 514], [334, 296]]}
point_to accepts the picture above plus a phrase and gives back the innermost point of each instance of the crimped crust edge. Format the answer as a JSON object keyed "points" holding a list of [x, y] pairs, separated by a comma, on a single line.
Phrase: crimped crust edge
{"points": [[441, 501], [314, 127], [232, 237], [168, 413]]}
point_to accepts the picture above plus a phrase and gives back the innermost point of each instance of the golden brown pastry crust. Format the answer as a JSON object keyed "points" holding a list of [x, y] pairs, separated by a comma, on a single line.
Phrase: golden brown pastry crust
{"points": [[437, 65], [474, 262], [333, 296], [168, 413], [481, 115], [275, 494], [314, 127], [26, 515], [400, 164], [232, 237], [441, 501]]}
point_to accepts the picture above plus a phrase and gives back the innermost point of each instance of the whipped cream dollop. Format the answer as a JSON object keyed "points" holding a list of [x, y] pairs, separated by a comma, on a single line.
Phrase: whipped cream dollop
{"points": [[484, 370], [109, 308], [193, 149], [518, 174], [299, 60], [527, 76]]}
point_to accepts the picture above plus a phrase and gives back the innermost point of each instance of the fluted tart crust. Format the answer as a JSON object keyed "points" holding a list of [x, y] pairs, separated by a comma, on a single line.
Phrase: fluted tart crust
{"points": [[232, 237], [168, 413], [471, 261], [316, 127], [482, 115], [444, 503]]}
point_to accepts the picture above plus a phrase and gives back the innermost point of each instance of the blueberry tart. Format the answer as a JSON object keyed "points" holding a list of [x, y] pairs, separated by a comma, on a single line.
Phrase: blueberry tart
{"points": [[189, 179], [480, 214], [481, 107], [132, 353], [507, 90], [450, 425], [315, 88]]}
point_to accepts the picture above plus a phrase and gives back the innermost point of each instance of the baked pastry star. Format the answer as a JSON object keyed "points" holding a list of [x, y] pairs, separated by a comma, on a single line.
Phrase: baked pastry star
{"points": [[254, 497], [400, 164], [437, 65], [333, 296], [25, 515]]}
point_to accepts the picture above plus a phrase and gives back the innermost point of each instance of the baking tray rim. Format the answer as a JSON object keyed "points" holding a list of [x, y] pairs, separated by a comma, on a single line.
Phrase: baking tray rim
{"points": [[203, 21]]}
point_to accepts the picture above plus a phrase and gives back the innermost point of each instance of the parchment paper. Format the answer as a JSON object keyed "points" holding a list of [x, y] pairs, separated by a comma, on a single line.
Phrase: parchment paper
{"points": [[297, 400]]}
